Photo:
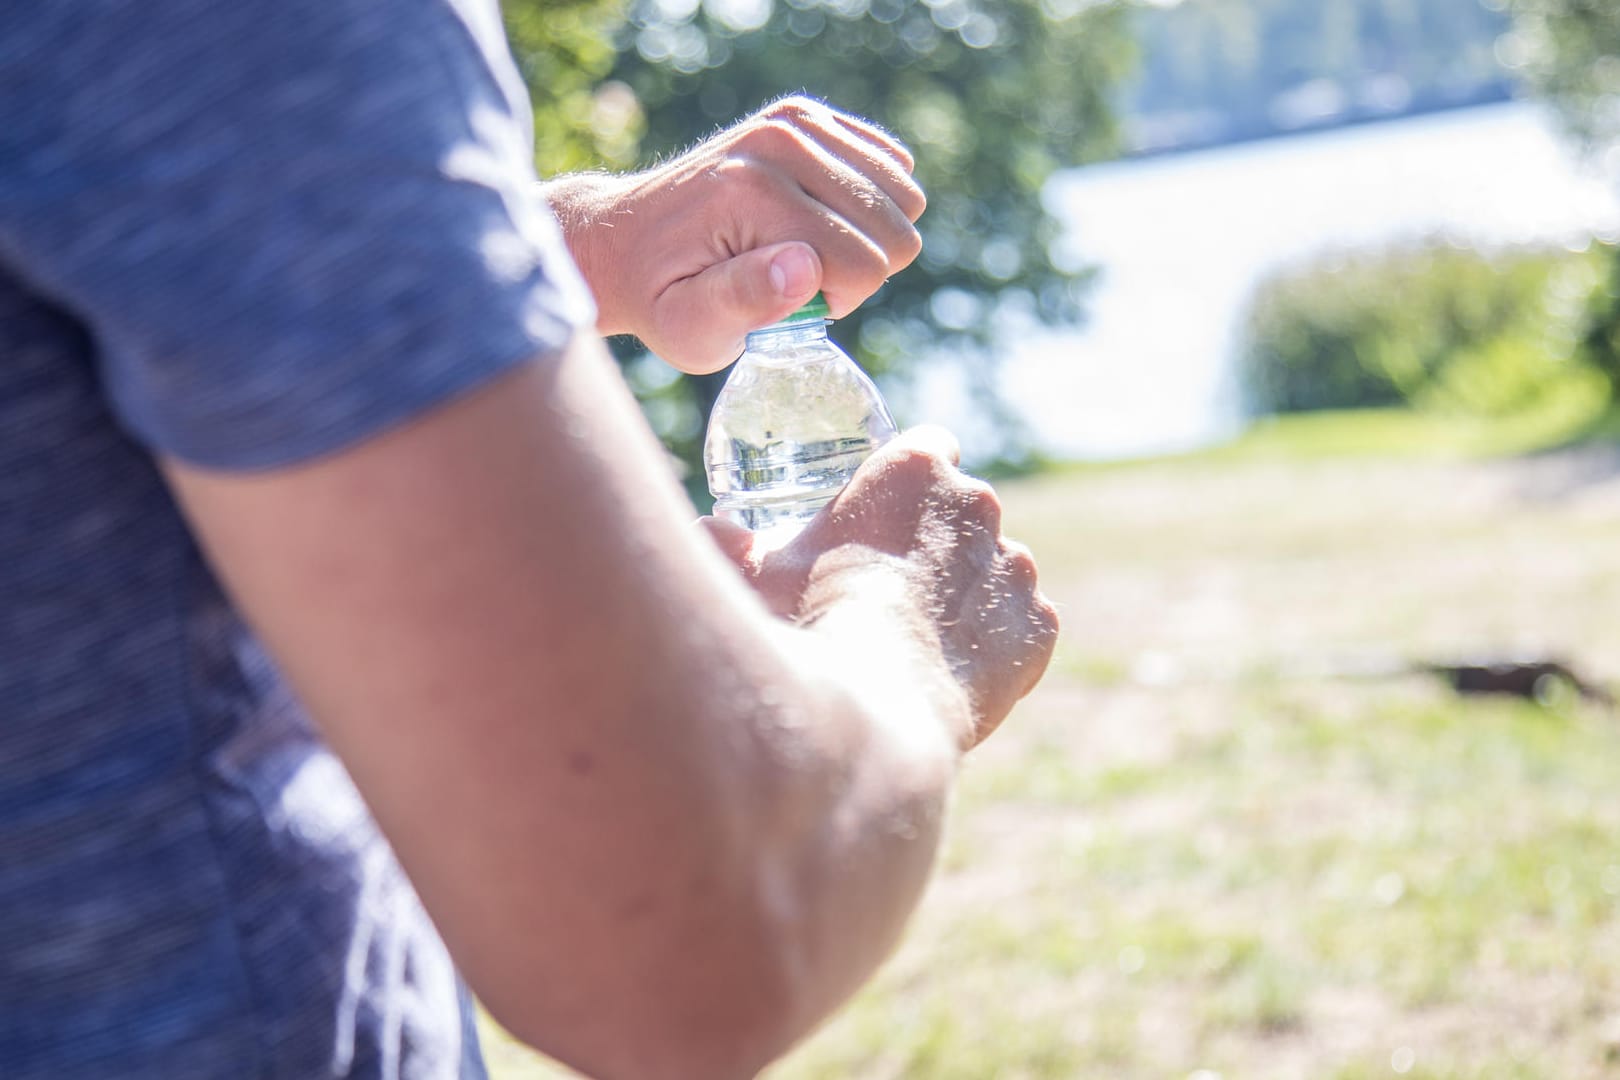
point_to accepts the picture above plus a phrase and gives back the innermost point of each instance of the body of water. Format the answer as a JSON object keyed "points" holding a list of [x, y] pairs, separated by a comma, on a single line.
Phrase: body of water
{"points": [[1181, 241]]}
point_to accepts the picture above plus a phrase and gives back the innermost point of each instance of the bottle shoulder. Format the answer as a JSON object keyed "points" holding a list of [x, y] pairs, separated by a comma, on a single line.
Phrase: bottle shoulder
{"points": [[789, 337]]}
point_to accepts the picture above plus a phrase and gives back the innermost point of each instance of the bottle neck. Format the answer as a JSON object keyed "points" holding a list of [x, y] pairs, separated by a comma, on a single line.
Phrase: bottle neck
{"points": [[783, 336]]}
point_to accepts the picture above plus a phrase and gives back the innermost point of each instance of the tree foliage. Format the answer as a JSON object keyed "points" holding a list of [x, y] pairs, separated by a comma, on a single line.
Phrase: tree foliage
{"points": [[1432, 325], [564, 48], [1570, 50], [992, 97], [1437, 326]]}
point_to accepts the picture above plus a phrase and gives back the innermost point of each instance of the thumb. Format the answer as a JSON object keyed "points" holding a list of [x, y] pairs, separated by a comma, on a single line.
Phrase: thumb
{"points": [[703, 319]]}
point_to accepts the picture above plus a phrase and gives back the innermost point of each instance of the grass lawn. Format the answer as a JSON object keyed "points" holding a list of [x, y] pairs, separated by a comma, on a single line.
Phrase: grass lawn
{"points": [[1238, 832]]}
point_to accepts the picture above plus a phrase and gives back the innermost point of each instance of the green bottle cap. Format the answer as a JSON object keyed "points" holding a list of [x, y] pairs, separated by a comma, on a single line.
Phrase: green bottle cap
{"points": [[815, 308]]}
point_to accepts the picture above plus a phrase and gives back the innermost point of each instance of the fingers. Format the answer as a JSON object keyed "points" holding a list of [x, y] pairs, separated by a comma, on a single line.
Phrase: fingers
{"points": [[899, 496], [1040, 632], [861, 235], [776, 581], [977, 590], [701, 249], [912, 472], [702, 319], [871, 153], [1001, 641], [860, 200], [994, 625], [878, 137]]}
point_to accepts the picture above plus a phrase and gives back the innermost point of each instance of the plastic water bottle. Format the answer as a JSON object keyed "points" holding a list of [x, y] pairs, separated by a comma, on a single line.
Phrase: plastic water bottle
{"points": [[794, 420]]}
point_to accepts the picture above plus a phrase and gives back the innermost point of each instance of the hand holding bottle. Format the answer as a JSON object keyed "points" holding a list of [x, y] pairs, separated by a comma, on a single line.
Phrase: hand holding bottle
{"points": [[915, 531], [794, 421], [743, 229]]}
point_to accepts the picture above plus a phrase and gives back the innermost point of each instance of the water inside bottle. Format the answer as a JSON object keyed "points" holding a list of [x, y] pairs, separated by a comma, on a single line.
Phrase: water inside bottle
{"points": [[788, 432]]}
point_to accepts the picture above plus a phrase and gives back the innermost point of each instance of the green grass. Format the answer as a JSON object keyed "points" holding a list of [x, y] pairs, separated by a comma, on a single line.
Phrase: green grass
{"points": [[1573, 413], [1249, 857], [1563, 419]]}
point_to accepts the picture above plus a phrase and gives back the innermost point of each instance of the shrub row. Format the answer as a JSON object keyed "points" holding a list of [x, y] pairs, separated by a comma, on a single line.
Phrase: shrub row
{"points": [[1433, 325]]}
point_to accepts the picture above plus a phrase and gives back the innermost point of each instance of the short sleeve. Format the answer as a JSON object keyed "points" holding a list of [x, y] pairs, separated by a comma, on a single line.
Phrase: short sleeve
{"points": [[286, 226]]}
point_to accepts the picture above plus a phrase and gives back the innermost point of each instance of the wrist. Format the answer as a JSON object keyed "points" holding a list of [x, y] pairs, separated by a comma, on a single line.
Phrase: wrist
{"points": [[872, 614], [589, 209]]}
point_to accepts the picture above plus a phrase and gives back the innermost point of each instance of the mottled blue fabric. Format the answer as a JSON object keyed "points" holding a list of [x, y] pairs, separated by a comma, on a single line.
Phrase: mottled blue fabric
{"points": [[242, 234]]}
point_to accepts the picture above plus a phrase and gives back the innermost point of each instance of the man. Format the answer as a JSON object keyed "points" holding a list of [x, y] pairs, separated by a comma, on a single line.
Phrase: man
{"points": [[302, 416]]}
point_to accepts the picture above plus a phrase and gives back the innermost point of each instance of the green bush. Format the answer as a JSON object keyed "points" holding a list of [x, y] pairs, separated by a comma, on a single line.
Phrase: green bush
{"points": [[1432, 325], [1600, 343]]}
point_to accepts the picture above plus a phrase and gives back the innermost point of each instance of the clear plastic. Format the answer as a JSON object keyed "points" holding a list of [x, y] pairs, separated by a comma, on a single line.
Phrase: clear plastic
{"points": [[792, 423]]}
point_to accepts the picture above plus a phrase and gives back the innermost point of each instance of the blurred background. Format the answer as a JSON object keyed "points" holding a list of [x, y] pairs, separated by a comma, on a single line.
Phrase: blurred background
{"points": [[1291, 331]]}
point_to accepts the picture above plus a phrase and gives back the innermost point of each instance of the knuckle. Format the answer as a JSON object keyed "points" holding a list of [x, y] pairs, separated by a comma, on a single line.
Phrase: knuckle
{"points": [[978, 505], [744, 172], [867, 193], [915, 468], [1019, 563], [792, 107], [918, 461], [772, 138]]}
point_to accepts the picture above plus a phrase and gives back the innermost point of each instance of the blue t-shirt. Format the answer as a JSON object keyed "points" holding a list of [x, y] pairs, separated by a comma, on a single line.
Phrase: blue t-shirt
{"points": [[241, 234]]}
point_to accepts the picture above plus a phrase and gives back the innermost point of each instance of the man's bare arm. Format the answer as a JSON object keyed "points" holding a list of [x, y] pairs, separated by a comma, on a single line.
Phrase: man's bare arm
{"points": [[662, 831]]}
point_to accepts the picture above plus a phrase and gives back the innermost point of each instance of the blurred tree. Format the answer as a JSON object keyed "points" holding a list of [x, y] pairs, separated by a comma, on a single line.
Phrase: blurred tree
{"points": [[1570, 52], [1600, 345], [564, 48], [992, 97], [1432, 325]]}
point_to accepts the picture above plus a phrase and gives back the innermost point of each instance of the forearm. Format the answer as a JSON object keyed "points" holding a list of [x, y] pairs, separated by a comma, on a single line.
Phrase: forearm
{"points": [[662, 831], [889, 751], [801, 807], [765, 870], [769, 797], [806, 786]]}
